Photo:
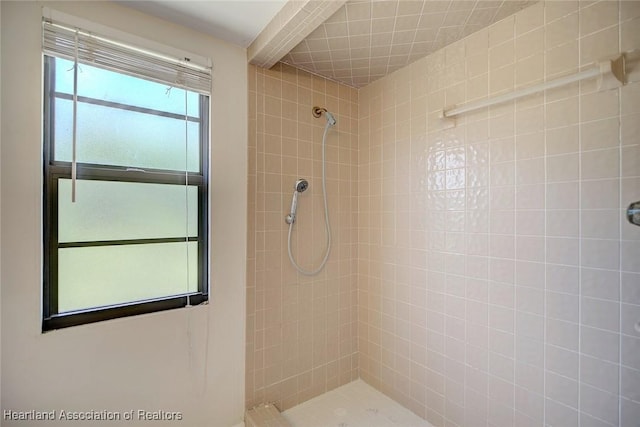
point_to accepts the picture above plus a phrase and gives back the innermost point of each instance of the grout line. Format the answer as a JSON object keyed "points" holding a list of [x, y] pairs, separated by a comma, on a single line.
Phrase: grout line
{"points": [[620, 225], [546, 213], [489, 234], [516, 228], [346, 13], [370, 42], [580, 239]]}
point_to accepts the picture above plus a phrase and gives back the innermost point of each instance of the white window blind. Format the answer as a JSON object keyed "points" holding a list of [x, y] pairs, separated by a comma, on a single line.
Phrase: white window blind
{"points": [[66, 42]]}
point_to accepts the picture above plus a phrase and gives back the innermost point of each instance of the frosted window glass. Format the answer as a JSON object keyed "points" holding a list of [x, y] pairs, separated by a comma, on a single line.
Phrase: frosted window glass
{"points": [[109, 210], [102, 84], [107, 275], [112, 136]]}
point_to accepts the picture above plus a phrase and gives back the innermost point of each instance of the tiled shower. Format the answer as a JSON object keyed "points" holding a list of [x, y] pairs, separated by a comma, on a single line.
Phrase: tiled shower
{"points": [[482, 271], [302, 331]]}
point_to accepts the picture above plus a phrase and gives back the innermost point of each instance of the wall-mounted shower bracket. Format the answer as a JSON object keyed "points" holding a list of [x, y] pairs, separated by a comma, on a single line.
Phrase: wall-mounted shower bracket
{"points": [[317, 111], [446, 121]]}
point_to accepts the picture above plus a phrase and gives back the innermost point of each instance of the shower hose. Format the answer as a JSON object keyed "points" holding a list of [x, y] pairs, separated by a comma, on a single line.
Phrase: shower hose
{"points": [[326, 216]]}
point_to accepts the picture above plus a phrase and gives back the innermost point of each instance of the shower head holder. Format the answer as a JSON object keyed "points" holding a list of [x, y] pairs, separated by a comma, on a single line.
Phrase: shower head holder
{"points": [[318, 111]]}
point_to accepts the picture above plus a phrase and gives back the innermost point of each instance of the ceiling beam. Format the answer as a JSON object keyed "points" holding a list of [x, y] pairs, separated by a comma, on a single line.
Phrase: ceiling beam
{"points": [[295, 21]]}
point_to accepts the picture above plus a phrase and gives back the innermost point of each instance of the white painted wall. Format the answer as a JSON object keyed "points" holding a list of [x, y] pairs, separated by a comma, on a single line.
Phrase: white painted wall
{"points": [[189, 360]]}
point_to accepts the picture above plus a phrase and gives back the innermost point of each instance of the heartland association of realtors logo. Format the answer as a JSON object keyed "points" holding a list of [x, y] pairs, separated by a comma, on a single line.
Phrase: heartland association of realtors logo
{"points": [[104, 415]]}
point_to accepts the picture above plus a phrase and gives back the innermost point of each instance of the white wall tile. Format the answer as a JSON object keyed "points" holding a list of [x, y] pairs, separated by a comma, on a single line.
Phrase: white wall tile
{"points": [[603, 224], [563, 168], [562, 30], [630, 319], [563, 250], [531, 248], [562, 113], [562, 361], [629, 127], [598, 46], [530, 351], [530, 44], [530, 19], [630, 384], [600, 404], [557, 414], [598, 343], [530, 326], [501, 342], [563, 223], [563, 334], [589, 421], [562, 140], [529, 377], [600, 164], [563, 195], [630, 348], [630, 413], [530, 405], [598, 283], [562, 59], [562, 278], [630, 291], [501, 367], [600, 194], [530, 274], [630, 254], [599, 373], [529, 300], [562, 389], [563, 307], [600, 134], [499, 414], [597, 16], [599, 105], [630, 160], [602, 314], [556, 10], [501, 320]]}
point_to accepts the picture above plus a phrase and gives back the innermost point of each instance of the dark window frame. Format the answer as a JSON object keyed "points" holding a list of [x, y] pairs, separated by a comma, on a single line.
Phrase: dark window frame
{"points": [[56, 170]]}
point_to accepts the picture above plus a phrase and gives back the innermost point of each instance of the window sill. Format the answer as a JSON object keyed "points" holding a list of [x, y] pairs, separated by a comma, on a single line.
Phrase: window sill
{"points": [[76, 318]]}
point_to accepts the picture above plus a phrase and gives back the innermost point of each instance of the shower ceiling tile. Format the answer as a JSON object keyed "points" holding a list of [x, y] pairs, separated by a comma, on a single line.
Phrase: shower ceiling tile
{"points": [[365, 40]]}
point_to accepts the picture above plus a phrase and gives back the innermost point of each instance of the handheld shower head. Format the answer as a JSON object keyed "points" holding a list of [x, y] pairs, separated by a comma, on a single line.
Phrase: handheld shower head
{"points": [[301, 185]]}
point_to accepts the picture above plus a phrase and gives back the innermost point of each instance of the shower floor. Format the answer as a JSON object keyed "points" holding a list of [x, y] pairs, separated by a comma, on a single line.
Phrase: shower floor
{"points": [[356, 404]]}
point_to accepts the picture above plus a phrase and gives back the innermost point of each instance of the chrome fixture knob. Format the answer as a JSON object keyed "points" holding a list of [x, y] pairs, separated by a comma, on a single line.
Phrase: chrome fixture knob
{"points": [[633, 213]]}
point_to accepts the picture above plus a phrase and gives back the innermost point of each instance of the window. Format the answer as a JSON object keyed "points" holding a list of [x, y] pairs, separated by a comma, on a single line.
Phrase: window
{"points": [[125, 181]]}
